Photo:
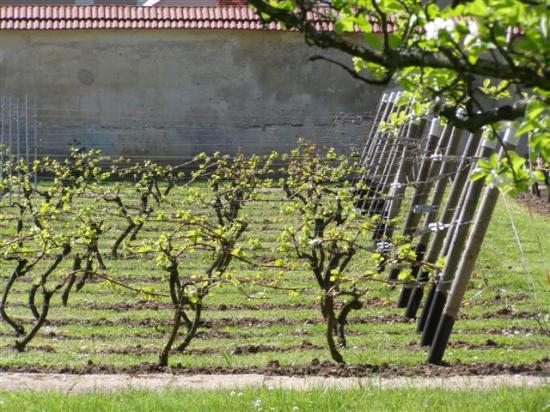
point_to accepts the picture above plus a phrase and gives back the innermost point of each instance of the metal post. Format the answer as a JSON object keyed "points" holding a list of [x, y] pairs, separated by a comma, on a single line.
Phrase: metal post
{"points": [[419, 201], [377, 206], [422, 188], [10, 148], [373, 155], [27, 158], [416, 130], [457, 242], [18, 149], [375, 123], [2, 144], [444, 171], [460, 185], [467, 262], [35, 141]]}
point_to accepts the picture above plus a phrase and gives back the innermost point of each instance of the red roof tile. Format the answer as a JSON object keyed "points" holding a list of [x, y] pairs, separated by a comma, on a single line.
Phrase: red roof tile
{"points": [[137, 17]]}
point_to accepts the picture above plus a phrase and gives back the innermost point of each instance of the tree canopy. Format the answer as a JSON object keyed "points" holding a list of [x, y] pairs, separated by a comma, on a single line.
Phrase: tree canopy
{"points": [[488, 58]]}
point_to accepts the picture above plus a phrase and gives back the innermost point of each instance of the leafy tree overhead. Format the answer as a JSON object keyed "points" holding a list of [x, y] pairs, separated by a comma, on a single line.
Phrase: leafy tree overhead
{"points": [[487, 57]]}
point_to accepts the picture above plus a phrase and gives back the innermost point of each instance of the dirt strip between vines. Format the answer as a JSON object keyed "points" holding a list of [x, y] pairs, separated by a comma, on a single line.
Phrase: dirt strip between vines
{"points": [[68, 383]]}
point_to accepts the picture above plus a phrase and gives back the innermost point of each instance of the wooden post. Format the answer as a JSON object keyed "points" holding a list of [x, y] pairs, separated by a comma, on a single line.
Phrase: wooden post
{"points": [[467, 262], [460, 185], [374, 154], [377, 206], [2, 142], [379, 165], [422, 186], [457, 240], [375, 124], [420, 202], [397, 188], [378, 138], [444, 173]]}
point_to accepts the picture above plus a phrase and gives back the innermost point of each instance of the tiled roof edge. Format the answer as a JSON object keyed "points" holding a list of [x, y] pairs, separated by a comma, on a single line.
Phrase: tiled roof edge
{"points": [[101, 17]]}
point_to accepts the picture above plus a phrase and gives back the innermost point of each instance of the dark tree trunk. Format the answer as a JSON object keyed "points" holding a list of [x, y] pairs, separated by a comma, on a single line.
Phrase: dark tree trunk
{"points": [[331, 327], [136, 231], [163, 359], [193, 330], [21, 345], [32, 297], [77, 264], [121, 238], [19, 271], [341, 321]]}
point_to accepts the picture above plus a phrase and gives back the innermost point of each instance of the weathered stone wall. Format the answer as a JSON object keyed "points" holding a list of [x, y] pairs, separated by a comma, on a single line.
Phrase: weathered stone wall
{"points": [[168, 94]]}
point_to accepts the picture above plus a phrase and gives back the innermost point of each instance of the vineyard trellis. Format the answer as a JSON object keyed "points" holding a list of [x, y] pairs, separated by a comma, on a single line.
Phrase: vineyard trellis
{"points": [[450, 232], [411, 200]]}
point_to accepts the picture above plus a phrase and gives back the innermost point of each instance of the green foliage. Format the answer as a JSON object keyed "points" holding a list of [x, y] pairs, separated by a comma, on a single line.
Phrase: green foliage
{"points": [[200, 241], [509, 173], [231, 182], [39, 245], [488, 58], [328, 231], [119, 328]]}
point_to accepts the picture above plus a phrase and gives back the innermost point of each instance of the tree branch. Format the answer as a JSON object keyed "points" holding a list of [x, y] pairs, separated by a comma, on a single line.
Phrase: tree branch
{"points": [[382, 82]]}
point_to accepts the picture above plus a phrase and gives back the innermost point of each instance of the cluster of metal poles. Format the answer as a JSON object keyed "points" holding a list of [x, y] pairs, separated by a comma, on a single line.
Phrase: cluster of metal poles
{"points": [[426, 166], [18, 140]]}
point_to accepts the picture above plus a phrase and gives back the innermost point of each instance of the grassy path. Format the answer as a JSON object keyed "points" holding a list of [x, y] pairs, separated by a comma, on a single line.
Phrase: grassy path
{"points": [[107, 383]]}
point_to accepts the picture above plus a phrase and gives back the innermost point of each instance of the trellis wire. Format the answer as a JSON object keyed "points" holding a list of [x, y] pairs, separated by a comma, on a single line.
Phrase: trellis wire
{"points": [[15, 142], [528, 276]]}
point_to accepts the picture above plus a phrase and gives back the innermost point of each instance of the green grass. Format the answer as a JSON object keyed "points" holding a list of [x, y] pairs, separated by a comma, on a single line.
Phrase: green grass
{"points": [[103, 325], [502, 399]]}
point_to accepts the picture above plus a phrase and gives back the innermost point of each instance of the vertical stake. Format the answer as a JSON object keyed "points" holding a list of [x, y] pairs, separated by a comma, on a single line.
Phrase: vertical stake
{"points": [[373, 155], [18, 149], [10, 148], [375, 123], [27, 130], [35, 141], [2, 143]]}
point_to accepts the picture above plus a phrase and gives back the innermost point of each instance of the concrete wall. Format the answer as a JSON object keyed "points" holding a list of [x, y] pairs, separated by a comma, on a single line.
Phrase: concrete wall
{"points": [[171, 94]]}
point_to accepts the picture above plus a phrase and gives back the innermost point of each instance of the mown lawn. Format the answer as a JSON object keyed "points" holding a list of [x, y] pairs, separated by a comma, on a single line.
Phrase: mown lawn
{"points": [[106, 326], [502, 399]]}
